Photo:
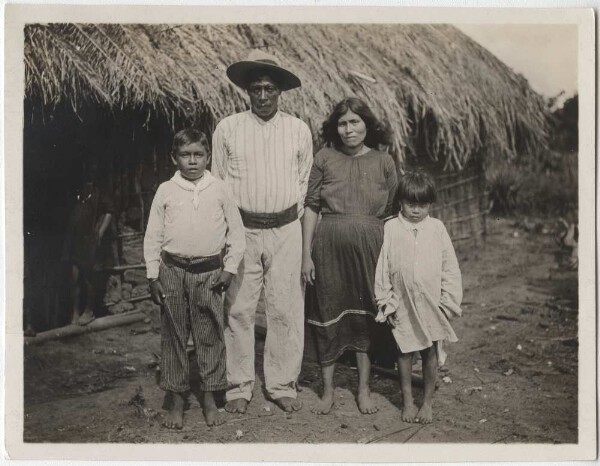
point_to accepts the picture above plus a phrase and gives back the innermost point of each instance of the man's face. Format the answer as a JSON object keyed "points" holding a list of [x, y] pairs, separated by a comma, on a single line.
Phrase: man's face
{"points": [[264, 97]]}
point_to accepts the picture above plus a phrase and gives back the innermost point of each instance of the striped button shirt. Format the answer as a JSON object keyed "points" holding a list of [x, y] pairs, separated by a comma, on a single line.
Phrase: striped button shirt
{"points": [[265, 163]]}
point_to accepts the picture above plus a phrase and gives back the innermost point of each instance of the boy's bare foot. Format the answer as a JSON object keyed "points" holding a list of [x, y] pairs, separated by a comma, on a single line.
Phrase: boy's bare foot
{"points": [[288, 404], [86, 317], [174, 418], [211, 413], [325, 403], [236, 406], [366, 405], [425, 414], [409, 412]]}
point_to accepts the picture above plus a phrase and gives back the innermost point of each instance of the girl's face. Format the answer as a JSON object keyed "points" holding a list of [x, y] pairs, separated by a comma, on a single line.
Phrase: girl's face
{"points": [[415, 212], [191, 160], [352, 129]]}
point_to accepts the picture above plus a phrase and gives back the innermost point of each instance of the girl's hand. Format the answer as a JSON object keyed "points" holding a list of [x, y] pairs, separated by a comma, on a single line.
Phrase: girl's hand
{"points": [[308, 270]]}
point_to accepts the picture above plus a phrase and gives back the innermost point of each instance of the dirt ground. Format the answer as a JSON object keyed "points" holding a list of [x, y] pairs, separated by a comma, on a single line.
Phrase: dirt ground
{"points": [[512, 377]]}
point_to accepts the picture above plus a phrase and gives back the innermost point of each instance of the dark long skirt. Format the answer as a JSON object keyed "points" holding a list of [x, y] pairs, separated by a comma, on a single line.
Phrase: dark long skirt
{"points": [[341, 306]]}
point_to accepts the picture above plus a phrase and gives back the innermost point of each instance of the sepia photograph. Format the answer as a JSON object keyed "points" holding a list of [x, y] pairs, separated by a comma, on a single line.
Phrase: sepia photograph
{"points": [[355, 232]]}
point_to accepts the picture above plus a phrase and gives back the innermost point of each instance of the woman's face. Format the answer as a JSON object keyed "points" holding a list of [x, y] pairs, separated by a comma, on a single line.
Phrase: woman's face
{"points": [[352, 129]]}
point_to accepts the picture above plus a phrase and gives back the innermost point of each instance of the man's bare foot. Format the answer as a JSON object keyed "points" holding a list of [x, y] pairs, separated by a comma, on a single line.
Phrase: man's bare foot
{"points": [[425, 414], [409, 412], [325, 403], [211, 413], [288, 404], [86, 317], [366, 405], [236, 406], [174, 418]]}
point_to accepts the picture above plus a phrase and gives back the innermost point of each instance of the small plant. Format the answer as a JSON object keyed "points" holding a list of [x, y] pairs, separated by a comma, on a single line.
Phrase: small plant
{"points": [[504, 183]]}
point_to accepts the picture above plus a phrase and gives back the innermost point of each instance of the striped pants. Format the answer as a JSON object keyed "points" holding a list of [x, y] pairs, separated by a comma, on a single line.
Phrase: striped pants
{"points": [[190, 305], [271, 262]]}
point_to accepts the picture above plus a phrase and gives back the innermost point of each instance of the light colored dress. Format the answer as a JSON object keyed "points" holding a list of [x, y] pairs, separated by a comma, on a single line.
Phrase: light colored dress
{"points": [[418, 284]]}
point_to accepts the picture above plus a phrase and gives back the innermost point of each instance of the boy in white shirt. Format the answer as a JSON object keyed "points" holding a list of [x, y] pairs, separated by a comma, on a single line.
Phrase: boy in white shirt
{"points": [[193, 245]]}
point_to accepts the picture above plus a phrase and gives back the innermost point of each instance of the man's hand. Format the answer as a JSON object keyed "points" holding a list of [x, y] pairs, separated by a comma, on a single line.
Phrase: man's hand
{"points": [[157, 293], [222, 282]]}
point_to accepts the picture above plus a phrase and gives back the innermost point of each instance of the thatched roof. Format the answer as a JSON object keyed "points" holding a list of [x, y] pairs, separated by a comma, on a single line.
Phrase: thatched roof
{"points": [[430, 82]]}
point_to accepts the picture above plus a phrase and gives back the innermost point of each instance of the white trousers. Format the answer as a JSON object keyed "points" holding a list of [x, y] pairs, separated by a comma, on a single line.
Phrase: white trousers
{"points": [[272, 260]]}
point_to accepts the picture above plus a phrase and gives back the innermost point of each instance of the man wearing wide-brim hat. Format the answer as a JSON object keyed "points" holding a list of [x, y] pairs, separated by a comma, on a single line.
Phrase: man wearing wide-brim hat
{"points": [[265, 155]]}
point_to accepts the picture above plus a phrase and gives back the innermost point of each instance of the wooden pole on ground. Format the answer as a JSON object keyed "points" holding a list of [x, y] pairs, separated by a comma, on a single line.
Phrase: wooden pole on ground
{"points": [[101, 323]]}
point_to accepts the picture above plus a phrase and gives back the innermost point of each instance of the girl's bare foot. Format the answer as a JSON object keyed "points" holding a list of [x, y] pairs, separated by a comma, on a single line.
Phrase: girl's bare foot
{"points": [[174, 418], [86, 317], [288, 404], [236, 406], [425, 414], [211, 413], [409, 412], [366, 405], [325, 403]]}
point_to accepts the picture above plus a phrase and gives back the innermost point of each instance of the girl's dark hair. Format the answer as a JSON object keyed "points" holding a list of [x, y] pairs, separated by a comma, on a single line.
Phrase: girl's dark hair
{"points": [[377, 132], [189, 136], [415, 186]]}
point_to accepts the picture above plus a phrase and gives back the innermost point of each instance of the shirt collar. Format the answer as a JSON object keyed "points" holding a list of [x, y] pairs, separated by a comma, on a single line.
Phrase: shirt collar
{"points": [[409, 226], [206, 180], [260, 121]]}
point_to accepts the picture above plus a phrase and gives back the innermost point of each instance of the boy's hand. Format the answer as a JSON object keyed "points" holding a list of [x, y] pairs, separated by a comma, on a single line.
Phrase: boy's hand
{"points": [[222, 282], [157, 293]]}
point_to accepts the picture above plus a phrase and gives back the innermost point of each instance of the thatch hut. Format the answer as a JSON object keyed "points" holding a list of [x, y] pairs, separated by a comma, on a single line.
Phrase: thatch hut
{"points": [[117, 92]]}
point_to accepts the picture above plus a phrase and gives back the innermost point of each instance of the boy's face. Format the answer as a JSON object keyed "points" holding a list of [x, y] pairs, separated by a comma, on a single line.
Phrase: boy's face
{"points": [[415, 212], [264, 97], [191, 160]]}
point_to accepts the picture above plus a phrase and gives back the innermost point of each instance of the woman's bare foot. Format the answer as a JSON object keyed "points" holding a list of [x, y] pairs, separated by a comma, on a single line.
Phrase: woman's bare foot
{"points": [[86, 317], [174, 418], [409, 412], [211, 413], [325, 403], [236, 406], [425, 414], [366, 405], [288, 404]]}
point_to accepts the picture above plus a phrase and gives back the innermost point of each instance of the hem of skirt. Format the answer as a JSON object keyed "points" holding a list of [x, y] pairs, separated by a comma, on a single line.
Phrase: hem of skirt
{"points": [[329, 362], [339, 317]]}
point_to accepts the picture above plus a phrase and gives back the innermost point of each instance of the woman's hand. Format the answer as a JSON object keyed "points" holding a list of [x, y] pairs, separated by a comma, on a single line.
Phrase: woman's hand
{"points": [[308, 270]]}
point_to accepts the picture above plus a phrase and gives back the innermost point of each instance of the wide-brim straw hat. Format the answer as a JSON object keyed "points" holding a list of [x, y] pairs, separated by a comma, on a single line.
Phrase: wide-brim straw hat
{"points": [[239, 72]]}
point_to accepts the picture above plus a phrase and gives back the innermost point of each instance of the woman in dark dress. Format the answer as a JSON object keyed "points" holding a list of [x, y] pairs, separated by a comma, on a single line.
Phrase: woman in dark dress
{"points": [[352, 185]]}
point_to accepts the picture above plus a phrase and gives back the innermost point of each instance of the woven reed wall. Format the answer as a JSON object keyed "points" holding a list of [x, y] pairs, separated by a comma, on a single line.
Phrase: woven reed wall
{"points": [[463, 206]]}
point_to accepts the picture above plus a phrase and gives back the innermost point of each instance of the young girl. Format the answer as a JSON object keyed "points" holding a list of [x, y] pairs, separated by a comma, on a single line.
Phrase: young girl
{"points": [[418, 288]]}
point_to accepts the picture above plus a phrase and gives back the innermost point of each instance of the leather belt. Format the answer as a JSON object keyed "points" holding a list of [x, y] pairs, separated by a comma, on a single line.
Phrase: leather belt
{"points": [[274, 220], [194, 264]]}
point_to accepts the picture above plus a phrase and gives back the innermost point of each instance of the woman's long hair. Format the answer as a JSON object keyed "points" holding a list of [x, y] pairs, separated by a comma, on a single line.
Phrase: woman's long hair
{"points": [[377, 132]]}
